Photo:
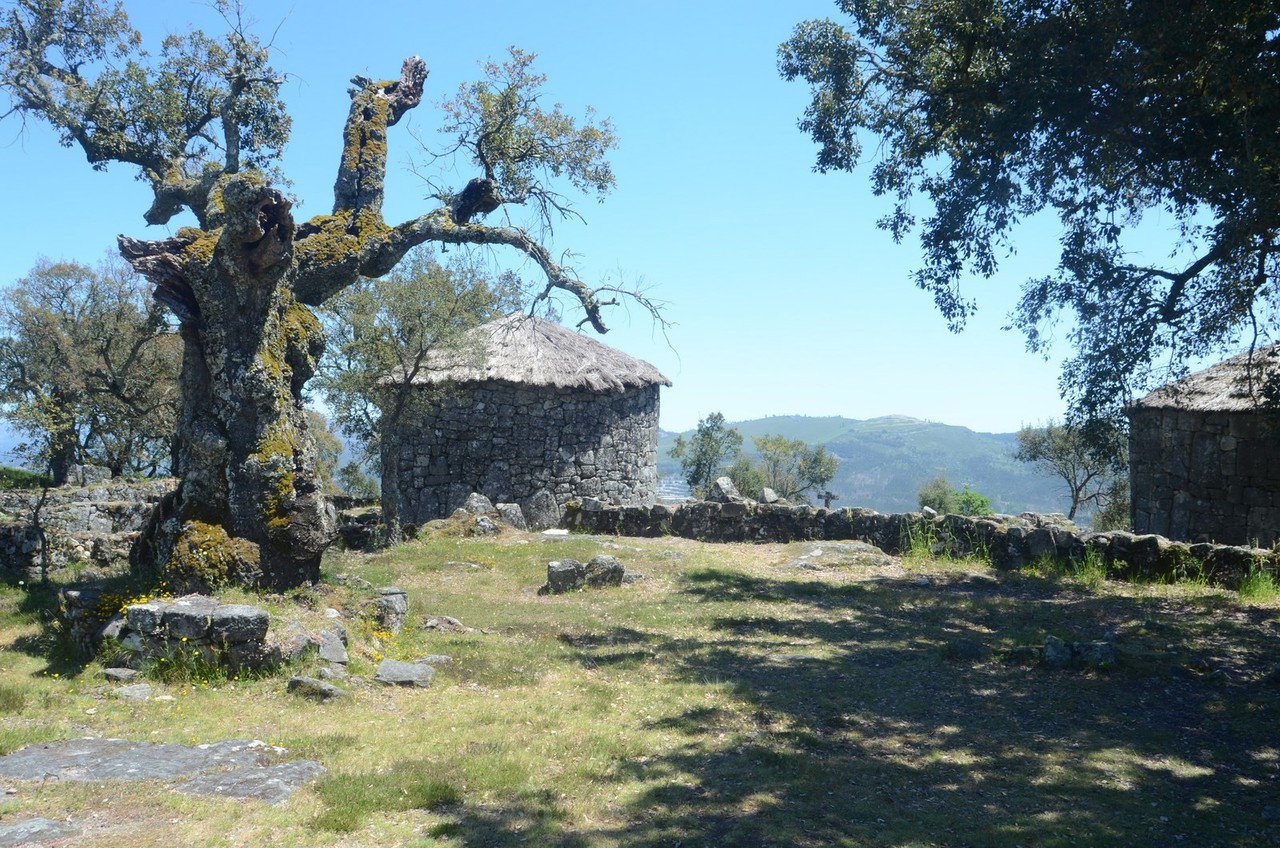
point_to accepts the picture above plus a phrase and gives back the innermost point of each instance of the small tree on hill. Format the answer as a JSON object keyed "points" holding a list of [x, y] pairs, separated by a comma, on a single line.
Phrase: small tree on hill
{"points": [[792, 468], [704, 454], [1086, 461]]}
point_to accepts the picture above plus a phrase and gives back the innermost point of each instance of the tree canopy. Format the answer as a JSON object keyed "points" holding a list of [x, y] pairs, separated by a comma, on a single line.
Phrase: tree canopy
{"points": [[88, 369], [703, 455], [1088, 463], [1101, 113]]}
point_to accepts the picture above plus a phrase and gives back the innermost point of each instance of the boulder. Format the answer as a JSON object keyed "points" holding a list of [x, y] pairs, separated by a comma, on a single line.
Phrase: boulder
{"points": [[563, 576], [314, 689], [541, 510], [603, 570], [512, 515], [722, 490], [477, 504], [390, 608], [397, 673]]}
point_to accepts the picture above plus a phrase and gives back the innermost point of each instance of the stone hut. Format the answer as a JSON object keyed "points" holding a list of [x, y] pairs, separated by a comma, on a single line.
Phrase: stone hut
{"points": [[1204, 455], [528, 412]]}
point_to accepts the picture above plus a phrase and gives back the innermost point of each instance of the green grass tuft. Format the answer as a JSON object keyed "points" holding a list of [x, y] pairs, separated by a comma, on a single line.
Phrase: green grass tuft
{"points": [[351, 799]]}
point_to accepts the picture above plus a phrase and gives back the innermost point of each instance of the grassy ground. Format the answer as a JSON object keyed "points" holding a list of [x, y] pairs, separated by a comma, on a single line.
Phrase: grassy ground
{"points": [[738, 696]]}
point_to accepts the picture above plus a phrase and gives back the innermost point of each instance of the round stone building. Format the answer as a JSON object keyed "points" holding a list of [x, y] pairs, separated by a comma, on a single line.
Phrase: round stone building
{"points": [[1204, 454], [532, 413]]}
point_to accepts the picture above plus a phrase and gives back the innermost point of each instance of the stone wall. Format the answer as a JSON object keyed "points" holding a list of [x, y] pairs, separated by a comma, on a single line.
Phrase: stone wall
{"points": [[518, 444], [92, 524], [1010, 542], [1205, 476]]}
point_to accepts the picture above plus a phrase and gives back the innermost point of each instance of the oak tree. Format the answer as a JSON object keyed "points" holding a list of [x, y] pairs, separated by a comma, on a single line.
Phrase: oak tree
{"points": [[203, 124], [987, 113], [88, 369]]}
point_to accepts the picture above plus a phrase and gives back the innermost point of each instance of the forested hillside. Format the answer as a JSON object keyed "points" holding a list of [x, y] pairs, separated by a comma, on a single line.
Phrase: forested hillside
{"points": [[885, 461]]}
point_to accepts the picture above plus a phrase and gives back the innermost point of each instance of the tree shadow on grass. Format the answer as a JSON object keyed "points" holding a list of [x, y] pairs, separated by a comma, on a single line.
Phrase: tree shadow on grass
{"points": [[851, 724]]}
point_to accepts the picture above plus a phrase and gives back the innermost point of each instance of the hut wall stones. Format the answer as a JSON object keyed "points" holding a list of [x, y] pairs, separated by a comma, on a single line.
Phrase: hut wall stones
{"points": [[542, 417], [1205, 456]]}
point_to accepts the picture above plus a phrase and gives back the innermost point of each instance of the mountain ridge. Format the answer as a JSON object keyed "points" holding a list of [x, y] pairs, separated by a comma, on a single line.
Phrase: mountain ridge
{"points": [[884, 461]]}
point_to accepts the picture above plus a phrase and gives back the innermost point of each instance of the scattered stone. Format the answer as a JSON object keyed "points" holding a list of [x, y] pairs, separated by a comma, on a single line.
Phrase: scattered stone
{"points": [[121, 675], [461, 564], [445, 624], [630, 577], [333, 672], [922, 582], [330, 612], [314, 689], [1219, 677], [512, 515], [397, 673], [1056, 654], [333, 648], [563, 576], [604, 570], [135, 692], [272, 784], [435, 659], [1059, 654], [352, 580], [929, 512], [32, 831], [769, 496], [485, 526], [477, 504], [722, 490], [390, 607], [292, 645], [555, 531]]}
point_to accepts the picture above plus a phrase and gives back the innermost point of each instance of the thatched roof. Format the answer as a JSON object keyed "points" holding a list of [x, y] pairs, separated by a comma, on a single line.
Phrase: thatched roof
{"points": [[1233, 385], [534, 352]]}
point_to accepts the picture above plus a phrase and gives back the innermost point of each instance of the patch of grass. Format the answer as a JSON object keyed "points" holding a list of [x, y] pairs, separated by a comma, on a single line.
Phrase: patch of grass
{"points": [[1091, 571], [12, 699], [726, 699], [351, 799], [1259, 585]]}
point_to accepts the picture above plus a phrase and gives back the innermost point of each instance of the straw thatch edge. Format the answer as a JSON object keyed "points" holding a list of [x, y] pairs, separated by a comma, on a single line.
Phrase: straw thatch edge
{"points": [[529, 351], [1233, 385]]}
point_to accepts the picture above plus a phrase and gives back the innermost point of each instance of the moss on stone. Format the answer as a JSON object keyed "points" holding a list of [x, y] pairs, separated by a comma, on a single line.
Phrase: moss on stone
{"points": [[205, 558]]}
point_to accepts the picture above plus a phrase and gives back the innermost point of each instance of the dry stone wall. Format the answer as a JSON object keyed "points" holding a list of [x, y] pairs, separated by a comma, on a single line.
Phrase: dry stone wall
{"points": [[91, 524], [1206, 476], [527, 445], [1010, 542]]}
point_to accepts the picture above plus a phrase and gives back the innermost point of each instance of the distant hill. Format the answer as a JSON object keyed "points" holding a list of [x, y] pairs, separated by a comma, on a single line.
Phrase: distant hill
{"points": [[885, 461]]}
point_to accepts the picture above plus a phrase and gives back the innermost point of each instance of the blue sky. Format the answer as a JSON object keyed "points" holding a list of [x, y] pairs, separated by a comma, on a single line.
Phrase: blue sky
{"points": [[785, 298]]}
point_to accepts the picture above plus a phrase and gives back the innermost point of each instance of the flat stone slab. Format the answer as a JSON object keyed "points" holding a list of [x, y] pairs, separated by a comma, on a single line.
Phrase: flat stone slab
{"points": [[237, 768], [270, 784], [33, 831], [396, 673]]}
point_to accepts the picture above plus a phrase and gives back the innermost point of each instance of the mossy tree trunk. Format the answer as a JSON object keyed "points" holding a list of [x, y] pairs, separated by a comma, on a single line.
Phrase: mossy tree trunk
{"points": [[248, 508]]}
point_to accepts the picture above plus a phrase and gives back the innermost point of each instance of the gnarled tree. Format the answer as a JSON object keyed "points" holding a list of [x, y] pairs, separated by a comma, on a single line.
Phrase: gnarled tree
{"points": [[203, 124]]}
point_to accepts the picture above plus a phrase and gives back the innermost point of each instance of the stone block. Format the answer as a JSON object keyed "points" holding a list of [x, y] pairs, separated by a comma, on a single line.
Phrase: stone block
{"points": [[237, 623]]}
